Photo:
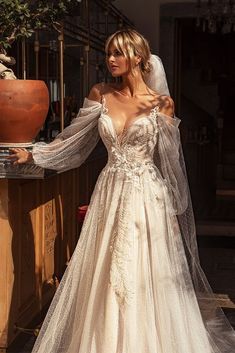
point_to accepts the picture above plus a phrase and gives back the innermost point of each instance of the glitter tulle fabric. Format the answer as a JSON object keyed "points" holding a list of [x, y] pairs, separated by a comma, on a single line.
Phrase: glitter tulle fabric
{"points": [[134, 283]]}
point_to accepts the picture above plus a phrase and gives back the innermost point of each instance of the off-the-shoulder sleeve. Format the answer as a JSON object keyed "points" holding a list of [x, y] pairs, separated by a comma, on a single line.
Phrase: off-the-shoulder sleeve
{"points": [[72, 146], [169, 159]]}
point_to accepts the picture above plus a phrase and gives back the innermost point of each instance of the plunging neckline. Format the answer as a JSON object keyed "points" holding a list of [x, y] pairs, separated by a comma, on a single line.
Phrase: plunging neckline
{"points": [[126, 129], [133, 122]]}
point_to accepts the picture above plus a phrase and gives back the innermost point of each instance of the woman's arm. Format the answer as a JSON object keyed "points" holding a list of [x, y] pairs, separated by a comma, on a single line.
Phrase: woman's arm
{"points": [[21, 155], [167, 106]]}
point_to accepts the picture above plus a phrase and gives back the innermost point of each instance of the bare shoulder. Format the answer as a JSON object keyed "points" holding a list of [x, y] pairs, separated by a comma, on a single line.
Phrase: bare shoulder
{"points": [[99, 89], [166, 105], [96, 93]]}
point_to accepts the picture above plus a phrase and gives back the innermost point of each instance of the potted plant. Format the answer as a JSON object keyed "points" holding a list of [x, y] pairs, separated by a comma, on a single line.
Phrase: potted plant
{"points": [[24, 103]]}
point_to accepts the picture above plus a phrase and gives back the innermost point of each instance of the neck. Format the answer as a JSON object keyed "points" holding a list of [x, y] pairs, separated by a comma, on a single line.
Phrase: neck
{"points": [[133, 85]]}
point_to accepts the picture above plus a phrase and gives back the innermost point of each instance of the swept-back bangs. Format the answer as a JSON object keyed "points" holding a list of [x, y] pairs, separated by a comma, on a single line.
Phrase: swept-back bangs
{"points": [[131, 43]]}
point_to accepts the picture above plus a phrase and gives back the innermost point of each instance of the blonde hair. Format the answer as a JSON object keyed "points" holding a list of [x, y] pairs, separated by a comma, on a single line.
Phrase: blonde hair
{"points": [[131, 43]]}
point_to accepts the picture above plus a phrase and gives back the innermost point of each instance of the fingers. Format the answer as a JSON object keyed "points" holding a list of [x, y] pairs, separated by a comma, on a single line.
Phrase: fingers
{"points": [[18, 155], [13, 153], [15, 150]]}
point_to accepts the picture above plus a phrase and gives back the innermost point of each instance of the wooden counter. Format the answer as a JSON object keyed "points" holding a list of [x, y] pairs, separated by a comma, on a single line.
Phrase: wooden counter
{"points": [[38, 233]]}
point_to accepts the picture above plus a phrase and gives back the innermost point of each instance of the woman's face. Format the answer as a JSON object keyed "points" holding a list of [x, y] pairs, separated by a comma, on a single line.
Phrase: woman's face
{"points": [[117, 63]]}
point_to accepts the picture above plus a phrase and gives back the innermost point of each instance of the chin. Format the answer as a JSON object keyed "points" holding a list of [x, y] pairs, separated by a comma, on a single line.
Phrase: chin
{"points": [[115, 75]]}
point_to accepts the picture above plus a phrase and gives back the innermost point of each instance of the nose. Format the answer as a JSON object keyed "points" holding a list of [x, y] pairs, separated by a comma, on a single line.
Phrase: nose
{"points": [[111, 58]]}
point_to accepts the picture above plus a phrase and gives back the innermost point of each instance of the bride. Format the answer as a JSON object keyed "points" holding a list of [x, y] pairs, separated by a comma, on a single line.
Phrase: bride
{"points": [[134, 283]]}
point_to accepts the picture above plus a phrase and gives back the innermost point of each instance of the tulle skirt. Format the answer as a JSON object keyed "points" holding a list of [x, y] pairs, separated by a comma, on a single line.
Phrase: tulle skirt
{"points": [[127, 288]]}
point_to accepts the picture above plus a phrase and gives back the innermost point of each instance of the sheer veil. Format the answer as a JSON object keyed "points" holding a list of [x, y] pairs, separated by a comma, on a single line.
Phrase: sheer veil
{"points": [[169, 160]]}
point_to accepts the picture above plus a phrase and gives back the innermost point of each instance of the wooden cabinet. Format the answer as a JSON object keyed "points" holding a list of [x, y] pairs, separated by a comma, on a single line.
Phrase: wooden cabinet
{"points": [[38, 233]]}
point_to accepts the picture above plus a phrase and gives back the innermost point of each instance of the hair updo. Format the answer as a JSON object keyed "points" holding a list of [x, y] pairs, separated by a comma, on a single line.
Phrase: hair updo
{"points": [[131, 43]]}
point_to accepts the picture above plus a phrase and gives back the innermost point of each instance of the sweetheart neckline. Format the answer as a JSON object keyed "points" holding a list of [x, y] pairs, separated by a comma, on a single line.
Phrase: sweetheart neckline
{"points": [[172, 120], [124, 131]]}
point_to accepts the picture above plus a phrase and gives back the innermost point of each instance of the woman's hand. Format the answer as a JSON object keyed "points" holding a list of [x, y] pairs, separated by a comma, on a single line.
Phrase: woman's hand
{"points": [[20, 156]]}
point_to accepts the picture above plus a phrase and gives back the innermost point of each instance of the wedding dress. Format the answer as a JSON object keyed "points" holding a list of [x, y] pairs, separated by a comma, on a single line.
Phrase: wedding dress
{"points": [[134, 283]]}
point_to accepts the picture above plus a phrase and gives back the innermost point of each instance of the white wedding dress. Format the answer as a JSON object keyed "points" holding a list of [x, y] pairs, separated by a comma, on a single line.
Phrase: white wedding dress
{"points": [[129, 285]]}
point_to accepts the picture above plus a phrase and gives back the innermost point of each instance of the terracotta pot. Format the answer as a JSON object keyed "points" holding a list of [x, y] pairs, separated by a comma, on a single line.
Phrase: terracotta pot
{"points": [[23, 109]]}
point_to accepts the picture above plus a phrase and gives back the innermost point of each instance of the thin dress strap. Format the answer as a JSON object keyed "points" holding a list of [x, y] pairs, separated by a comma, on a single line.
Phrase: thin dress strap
{"points": [[103, 100], [155, 110]]}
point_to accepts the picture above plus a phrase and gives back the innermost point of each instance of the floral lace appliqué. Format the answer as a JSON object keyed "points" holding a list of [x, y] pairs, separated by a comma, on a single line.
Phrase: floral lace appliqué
{"points": [[129, 155], [121, 247]]}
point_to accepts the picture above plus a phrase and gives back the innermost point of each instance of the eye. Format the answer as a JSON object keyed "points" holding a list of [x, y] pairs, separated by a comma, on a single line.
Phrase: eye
{"points": [[117, 52]]}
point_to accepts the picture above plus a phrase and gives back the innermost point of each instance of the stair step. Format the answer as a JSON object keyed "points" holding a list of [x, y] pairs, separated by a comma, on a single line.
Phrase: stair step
{"points": [[225, 194], [215, 228], [225, 301]]}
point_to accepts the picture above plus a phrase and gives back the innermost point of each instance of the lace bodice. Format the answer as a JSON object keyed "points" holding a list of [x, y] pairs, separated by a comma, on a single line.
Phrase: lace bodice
{"points": [[132, 150], [130, 154], [150, 143]]}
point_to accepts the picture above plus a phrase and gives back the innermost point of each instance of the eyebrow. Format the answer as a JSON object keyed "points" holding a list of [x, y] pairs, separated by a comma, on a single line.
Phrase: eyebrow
{"points": [[115, 50]]}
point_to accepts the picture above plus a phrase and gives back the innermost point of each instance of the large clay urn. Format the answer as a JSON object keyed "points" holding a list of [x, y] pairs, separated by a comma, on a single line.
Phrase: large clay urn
{"points": [[23, 110]]}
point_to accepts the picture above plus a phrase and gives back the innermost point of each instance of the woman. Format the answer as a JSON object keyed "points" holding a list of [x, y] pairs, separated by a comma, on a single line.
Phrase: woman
{"points": [[134, 283]]}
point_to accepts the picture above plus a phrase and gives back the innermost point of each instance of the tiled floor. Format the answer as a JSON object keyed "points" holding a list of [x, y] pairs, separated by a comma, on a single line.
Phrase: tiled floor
{"points": [[28, 346]]}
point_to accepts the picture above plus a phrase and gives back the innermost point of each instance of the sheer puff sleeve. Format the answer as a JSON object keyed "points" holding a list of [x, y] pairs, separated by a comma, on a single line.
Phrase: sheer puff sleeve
{"points": [[168, 157], [72, 146]]}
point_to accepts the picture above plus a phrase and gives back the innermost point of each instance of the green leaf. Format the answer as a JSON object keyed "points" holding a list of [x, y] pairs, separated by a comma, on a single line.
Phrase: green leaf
{"points": [[23, 17]]}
